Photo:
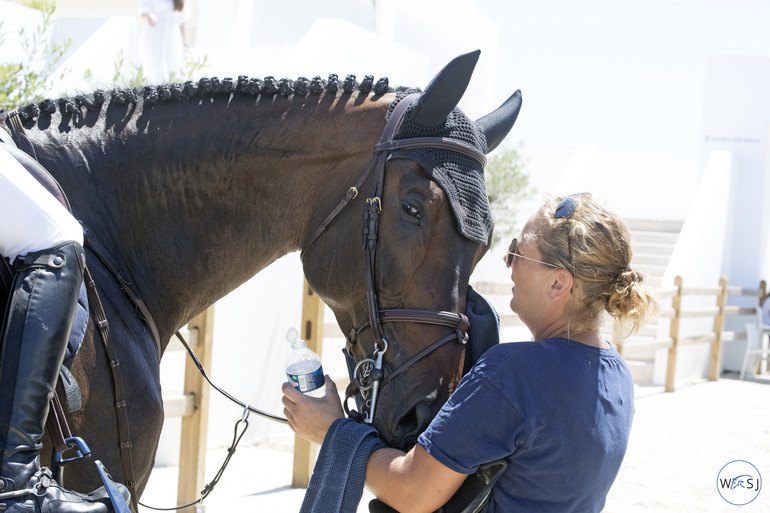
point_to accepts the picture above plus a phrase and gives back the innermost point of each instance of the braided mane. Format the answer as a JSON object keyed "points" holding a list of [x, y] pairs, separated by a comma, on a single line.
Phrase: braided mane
{"points": [[204, 88]]}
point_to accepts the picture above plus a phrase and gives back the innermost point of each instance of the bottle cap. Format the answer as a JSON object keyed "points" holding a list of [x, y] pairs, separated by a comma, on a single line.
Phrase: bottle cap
{"points": [[292, 336]]}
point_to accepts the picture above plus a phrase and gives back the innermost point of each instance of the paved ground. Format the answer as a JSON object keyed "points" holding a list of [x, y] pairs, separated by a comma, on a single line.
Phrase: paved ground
{"points": [[679, 443]]}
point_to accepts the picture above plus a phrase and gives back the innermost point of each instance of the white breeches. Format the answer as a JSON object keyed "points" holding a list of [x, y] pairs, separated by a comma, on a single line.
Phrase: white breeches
{"points": [[31, 219]]}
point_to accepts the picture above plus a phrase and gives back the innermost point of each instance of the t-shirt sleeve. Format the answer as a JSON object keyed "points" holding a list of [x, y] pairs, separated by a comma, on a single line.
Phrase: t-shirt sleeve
{"points": [[477, 425]]}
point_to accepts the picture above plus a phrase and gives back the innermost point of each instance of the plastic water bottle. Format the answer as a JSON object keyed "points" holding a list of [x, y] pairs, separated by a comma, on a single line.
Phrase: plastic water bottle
{"points": [[303, 367]]}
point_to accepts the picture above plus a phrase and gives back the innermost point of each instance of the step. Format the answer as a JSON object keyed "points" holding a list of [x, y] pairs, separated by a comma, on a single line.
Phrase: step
{"points": [[654, 225], [656, 247], [650, 259], [649, 268], [656, 237]]}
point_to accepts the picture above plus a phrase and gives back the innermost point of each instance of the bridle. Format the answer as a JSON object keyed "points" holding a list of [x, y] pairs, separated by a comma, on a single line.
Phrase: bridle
{"points": [[368, 375]]}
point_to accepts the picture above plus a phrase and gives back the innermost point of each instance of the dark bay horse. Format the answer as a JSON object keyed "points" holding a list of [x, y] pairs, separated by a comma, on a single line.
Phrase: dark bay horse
{"points": [[186, 191]]}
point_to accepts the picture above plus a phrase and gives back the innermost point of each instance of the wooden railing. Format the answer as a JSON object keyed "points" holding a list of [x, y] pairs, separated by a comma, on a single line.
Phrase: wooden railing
{"points": [[193, 406], [677, 312], [313, 333]]}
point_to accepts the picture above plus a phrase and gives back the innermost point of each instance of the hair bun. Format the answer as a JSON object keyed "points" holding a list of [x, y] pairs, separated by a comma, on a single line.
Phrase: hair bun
{"points": [[620, 275]]}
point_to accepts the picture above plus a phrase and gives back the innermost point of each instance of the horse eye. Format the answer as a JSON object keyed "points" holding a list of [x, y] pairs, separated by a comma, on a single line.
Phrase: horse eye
{"points": [[411, 210]]}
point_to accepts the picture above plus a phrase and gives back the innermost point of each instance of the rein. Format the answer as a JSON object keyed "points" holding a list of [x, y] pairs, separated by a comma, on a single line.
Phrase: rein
{"points": [[368, 375]]}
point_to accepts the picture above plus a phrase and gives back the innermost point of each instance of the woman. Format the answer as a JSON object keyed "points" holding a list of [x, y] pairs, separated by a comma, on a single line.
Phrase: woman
{"points": [[164, 39], [43, 244], [558, 409]]}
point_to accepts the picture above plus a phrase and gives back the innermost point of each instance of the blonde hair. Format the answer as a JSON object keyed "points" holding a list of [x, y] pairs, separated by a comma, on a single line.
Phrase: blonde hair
{"points": [[594, 245]]}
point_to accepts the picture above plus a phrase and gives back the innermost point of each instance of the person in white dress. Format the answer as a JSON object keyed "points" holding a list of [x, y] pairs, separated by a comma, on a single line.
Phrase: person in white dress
{"points": [[163, 38]]}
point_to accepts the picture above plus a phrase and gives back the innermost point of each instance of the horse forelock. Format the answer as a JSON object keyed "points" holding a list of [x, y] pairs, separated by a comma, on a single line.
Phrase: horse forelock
{"points": [[203, 88]]}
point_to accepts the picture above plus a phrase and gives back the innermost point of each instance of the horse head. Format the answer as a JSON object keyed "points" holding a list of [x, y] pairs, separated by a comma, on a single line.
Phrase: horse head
{"points": [[427, 223]]}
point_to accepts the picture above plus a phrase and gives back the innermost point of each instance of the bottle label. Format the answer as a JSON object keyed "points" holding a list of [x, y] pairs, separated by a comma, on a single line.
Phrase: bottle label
{"points": [[307, 382]]}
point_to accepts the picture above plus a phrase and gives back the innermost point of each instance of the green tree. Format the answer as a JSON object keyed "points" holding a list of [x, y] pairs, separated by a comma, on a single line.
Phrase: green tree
{"points": [[25, 81], [507, 185]]}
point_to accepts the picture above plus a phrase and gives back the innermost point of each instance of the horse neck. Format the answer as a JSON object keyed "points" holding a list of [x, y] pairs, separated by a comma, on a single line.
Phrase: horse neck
{"points": [[194, 200]]}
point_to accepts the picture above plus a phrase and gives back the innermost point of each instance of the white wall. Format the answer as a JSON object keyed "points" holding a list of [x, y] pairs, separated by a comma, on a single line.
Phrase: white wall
{"points": [[697, 258], [405, 41], [736, 118], [15, 16]]}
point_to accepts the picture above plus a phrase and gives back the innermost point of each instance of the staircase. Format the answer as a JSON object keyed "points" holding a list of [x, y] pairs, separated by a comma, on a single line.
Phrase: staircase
{"points": [[653, 242]]}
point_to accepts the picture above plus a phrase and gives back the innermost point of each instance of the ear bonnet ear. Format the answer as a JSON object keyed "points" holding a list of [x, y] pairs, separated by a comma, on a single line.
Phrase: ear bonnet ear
{"points": [[435, 114]]}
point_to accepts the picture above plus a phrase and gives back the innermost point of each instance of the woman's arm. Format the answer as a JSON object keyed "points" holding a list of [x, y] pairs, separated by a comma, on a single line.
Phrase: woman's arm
{"points": [[150, 18], [411, 482], [408, 482]]}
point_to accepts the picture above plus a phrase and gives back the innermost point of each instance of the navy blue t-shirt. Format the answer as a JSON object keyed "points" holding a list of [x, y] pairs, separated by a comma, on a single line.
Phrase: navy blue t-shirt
{"points": [[558, 410]]}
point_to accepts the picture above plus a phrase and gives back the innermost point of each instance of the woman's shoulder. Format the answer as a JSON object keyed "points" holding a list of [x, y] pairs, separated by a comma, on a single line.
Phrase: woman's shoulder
{"points": [[519, 348], [507, 354], [508, 348], [528, 356]]}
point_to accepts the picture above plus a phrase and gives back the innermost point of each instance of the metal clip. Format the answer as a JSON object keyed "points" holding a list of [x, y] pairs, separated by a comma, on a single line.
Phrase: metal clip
{"points": [[365, 366], [376, 375], [78, 445]]}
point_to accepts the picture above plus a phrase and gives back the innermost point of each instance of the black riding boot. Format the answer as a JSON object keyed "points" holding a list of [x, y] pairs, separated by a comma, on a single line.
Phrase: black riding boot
{"points": [[32, 347]]}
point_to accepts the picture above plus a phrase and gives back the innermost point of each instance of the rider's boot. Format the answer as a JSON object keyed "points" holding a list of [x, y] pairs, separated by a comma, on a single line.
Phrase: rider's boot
{"points": [[38, 321]]}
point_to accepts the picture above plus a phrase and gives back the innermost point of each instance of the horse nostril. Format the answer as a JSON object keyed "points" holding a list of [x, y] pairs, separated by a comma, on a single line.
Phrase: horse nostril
{"points": [[412, 423], [409, 422]]}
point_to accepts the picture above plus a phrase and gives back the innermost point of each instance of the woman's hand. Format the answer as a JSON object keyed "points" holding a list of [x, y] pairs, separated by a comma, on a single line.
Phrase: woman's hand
{"points": [[310, 417], [151, 18]]}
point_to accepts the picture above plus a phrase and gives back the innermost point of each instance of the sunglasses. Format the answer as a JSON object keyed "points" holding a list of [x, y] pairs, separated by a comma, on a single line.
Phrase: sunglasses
{"points": [[513, 254]]}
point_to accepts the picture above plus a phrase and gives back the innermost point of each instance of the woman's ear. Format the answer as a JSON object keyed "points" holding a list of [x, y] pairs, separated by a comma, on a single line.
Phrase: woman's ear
{"points": [[561, 284]]}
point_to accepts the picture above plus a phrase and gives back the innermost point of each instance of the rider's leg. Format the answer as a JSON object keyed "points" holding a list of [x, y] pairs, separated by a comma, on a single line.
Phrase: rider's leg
{"points": [[32, 346], [46, 285]]}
